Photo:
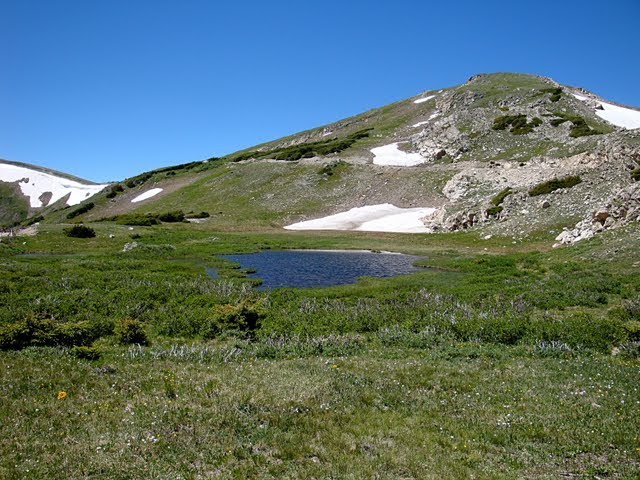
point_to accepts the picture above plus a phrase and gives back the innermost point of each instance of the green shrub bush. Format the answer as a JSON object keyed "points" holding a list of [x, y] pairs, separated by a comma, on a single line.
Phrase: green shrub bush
{"points": [[579, 127], [80, 210], [171, 217], [493, 211], [244, 317], [197, 215], [555, 184], [307, 150], [635, 174], [556, 93], [499, 198], [37, 331], [131, 331], [139, 219], [79, 231], [518, 124], [85, 353]]}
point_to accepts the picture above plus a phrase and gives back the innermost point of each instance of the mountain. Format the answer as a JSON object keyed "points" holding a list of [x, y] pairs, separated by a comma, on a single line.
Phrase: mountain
{"points": [[26, 189], [504, 153]]}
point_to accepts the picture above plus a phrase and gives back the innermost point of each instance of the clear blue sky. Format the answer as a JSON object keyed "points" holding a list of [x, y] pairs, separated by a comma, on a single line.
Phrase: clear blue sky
{"points": [[108, 89]]}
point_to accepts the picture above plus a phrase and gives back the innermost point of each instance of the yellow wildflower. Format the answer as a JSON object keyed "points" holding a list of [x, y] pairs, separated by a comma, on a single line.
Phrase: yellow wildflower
{"points": [[62, 395]]}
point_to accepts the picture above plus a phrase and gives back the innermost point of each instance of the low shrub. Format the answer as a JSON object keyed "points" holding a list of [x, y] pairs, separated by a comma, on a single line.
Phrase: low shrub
{"points": [[518, 124], [138, 219], [307, 150], [499, 198], [556, 93], [579, 127], [171, 217], [129, 331], [80, 210], [635, 174], [493, 211], [37, 331], [197, 215], [85, 353], [79, 231], [244, 317], [554, 184]]}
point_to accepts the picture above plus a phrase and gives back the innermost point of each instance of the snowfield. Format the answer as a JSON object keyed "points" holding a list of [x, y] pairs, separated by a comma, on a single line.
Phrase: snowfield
{"points": [[619, 116], [392, 156], [425, 99], [34, 184], [148, 194], [371, 218]]}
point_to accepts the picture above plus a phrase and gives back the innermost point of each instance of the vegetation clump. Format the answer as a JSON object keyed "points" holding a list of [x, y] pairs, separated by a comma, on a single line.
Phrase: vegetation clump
{"points": [[131, 331], [115, 189], [518, 124], [579, 126], [556, 93], [79, 231], [554, 184], [243, 318], [635, 174], [171, 217], [307, 150], [80, 210], [499, 198], [36, 330], [138, 219], [197, 215]]}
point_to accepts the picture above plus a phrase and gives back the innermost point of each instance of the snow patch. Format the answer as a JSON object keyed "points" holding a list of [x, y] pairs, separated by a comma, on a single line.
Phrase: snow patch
{"points": [[425, 99], [34, 184], [431, 117], [371, 218], [619, 116], [390, 155], [148, 194]]}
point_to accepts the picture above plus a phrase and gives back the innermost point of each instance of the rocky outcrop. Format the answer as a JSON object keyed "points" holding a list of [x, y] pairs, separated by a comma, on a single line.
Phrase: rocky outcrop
{"points": [[622, 208]]}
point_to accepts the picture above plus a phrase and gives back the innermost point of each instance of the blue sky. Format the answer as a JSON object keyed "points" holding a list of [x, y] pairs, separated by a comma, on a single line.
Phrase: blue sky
{"points": [[106, 90]]}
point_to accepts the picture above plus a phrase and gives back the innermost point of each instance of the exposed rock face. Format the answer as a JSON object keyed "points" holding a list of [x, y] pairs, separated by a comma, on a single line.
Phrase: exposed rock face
{"points": [[622, 208]]}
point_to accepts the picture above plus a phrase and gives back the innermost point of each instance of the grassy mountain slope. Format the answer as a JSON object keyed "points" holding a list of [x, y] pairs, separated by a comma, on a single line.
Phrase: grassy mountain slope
{"points": [[494, 132]]}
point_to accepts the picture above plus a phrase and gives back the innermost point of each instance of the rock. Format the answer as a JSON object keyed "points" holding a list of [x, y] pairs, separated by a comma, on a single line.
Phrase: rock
{"points": [[545, 204], [111, 235], [130, 246], [601, 216]]}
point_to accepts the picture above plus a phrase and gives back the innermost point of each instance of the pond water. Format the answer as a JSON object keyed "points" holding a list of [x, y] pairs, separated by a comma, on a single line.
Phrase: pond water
{"points": [[321, 268]]}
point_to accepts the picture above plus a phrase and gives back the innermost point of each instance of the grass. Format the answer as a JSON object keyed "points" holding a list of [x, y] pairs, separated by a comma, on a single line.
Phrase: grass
{"points": [[491, 365], [453, 410]]}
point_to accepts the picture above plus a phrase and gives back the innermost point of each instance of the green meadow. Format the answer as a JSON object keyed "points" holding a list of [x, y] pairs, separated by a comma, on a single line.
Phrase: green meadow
{"points": [[499, 360]]}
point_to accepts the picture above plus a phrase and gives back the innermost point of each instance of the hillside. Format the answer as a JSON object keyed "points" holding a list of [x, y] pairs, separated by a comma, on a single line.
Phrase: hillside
{"points": [[26, 189], [467, 157]]}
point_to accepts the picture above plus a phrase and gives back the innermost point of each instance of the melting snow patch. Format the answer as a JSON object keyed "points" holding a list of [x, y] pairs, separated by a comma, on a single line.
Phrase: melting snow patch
{"points": [[148, 194], [372, 218], [425, 99], [431, 117], [34, 184], [390, 155], [619, 116]]}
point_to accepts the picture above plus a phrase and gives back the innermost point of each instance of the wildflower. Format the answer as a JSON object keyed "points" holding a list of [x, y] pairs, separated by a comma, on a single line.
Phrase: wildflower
{"points": [[62, 395], [334, 366]]}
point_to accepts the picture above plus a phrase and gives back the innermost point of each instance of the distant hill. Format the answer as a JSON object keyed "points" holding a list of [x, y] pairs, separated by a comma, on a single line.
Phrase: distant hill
{"points": [[25, 189]]}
